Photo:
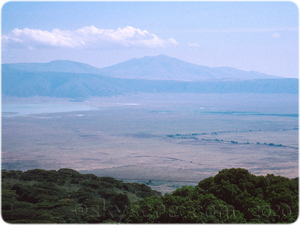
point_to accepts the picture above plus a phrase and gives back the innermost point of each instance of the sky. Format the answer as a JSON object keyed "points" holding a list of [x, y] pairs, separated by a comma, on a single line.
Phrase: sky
{"points": [[251, 36]]}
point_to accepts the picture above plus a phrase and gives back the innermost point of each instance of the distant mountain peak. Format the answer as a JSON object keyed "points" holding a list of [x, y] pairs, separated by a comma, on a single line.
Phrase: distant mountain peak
{"points": [[159, 67], [68, 79], [163, 67], [66, 66]]}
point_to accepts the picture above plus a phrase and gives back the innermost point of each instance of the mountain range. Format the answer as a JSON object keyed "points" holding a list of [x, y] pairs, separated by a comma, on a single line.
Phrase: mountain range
{"points": [[162, 74], [163, 67], [160, 67]]}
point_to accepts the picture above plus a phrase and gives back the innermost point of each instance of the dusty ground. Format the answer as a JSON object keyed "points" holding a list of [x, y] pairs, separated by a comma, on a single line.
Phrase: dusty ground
{"points": [[157, 138]]}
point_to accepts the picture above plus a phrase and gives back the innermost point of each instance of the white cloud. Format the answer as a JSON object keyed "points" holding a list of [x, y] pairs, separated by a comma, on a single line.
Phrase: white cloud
{"points": [[275, 35], [86, 37], [194, 45]]}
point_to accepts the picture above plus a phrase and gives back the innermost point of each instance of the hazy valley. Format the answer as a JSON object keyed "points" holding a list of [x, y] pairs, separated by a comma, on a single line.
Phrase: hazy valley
{"points": [[181, 138], [116, 121], [167, 134]]}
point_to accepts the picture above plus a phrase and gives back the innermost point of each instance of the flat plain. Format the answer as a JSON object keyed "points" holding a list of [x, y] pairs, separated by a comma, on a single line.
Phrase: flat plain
{"points": [[164, 140]]}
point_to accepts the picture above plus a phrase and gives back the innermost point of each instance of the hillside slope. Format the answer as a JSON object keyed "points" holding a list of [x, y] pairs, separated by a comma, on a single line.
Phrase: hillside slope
{"points": [[160, 67], [82, 85], [66, 196], [163, 67], [159, 74]]}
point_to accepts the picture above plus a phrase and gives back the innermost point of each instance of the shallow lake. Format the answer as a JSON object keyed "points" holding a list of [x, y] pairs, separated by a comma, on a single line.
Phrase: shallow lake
{"points": [[28, 109]]}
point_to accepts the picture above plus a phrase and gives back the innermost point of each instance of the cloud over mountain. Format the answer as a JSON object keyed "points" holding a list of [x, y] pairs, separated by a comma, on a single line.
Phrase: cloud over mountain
{"points": [[85, 37]]}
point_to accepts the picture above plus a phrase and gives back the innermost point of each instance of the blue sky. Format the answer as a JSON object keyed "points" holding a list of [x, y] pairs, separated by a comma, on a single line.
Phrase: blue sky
{"points": [[259, 36]]}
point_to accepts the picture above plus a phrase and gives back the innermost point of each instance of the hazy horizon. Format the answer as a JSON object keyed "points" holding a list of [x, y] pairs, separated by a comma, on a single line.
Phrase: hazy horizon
{"points": [[250, 36], [196, 108]]}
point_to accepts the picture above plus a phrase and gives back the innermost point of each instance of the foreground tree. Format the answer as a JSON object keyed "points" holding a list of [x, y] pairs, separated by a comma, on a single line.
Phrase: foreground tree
{"points": [[232, 196]]}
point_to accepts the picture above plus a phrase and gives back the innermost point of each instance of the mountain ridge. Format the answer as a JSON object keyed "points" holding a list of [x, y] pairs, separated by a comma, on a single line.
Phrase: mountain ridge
{"points": [[68, 79], [53, 66], [159, 67], [83, 85]]}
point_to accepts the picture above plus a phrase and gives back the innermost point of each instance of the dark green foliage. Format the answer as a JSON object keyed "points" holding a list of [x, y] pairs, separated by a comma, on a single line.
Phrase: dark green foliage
{"points": [[120, 200], [64, 196], [232, 196], [106, 193]]}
